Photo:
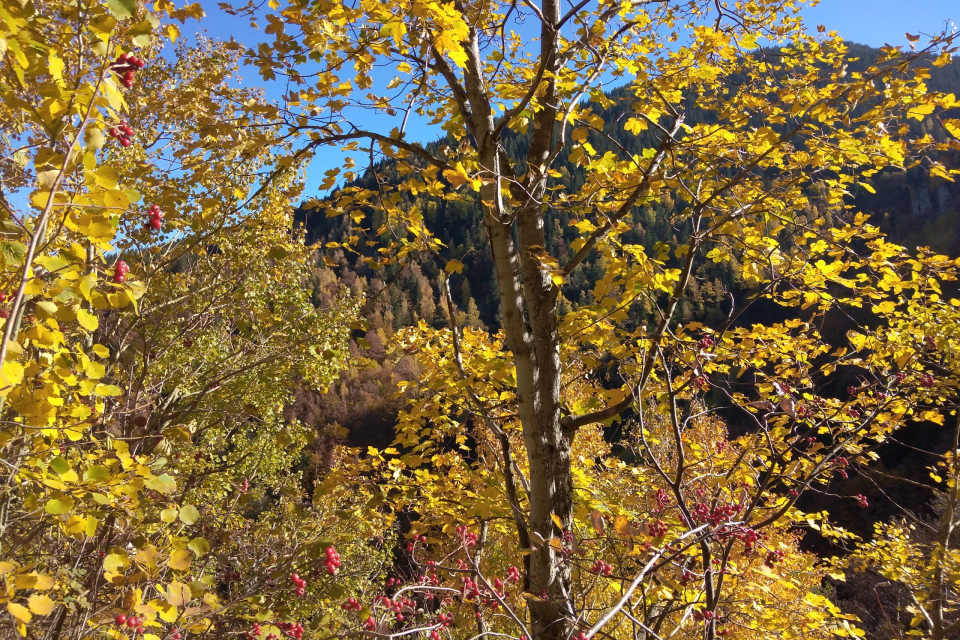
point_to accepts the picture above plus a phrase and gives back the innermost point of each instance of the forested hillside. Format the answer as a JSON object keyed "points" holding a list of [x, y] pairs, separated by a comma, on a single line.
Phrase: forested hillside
{"points": [[912, 207]]}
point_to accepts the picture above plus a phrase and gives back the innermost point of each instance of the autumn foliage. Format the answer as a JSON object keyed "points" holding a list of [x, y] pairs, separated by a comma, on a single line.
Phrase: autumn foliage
{"points": [[171, 344]]}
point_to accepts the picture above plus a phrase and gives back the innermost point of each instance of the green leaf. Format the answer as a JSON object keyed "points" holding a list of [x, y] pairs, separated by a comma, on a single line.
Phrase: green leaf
{"points": [[199, 546], [122, 9], [58, 507], [13, 252], [96, 472], [189, 514], [60, 465], [163, 484]]}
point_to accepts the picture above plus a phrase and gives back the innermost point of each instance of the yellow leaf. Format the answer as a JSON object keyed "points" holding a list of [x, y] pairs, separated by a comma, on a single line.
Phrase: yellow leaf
{"points": [[87, 320], [114, 561], [19, 612], [40, 604], [106, 177], [918, 112], [11, 374], [180, 560], [621, 524], [557, 521], [453, 266], [169, 614], [953, 127], [178, 594]]}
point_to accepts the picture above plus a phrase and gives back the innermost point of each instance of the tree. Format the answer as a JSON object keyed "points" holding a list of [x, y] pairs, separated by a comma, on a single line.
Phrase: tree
{"points": [[782, 127], [156, 321]]}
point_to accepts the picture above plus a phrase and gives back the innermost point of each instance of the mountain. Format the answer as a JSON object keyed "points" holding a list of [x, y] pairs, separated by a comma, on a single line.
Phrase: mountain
{"points": [[912, 207]]}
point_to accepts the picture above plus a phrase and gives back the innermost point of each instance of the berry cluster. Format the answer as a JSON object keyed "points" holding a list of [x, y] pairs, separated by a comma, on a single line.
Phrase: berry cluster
{"points": [[513, 574], [301, 584], [156, 218], [415, 540], [602, 568], [468, 537], [294, 630], [705, 342], [701, 615], [719, 514], [120, 272], [333, 560], [927, 380], [254, 633], [444, 620], [748, 536], [133, 622], [399, 605], [663, 501], [657, 528], [370, 624], [351, 605], [774, 557], [475, 590], [862, 500], [124, 66], [123, 132]]}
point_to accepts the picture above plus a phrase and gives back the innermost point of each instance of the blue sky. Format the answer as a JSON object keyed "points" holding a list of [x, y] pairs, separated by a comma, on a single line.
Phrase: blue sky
{"points": [[870, 22], [879, 22]]}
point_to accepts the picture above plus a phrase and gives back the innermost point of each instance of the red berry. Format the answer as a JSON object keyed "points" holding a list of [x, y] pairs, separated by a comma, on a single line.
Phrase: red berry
{"points": [[132, 622], [140, 630], [301, 591], [125, 142], [120, 619], [155, 224]]}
